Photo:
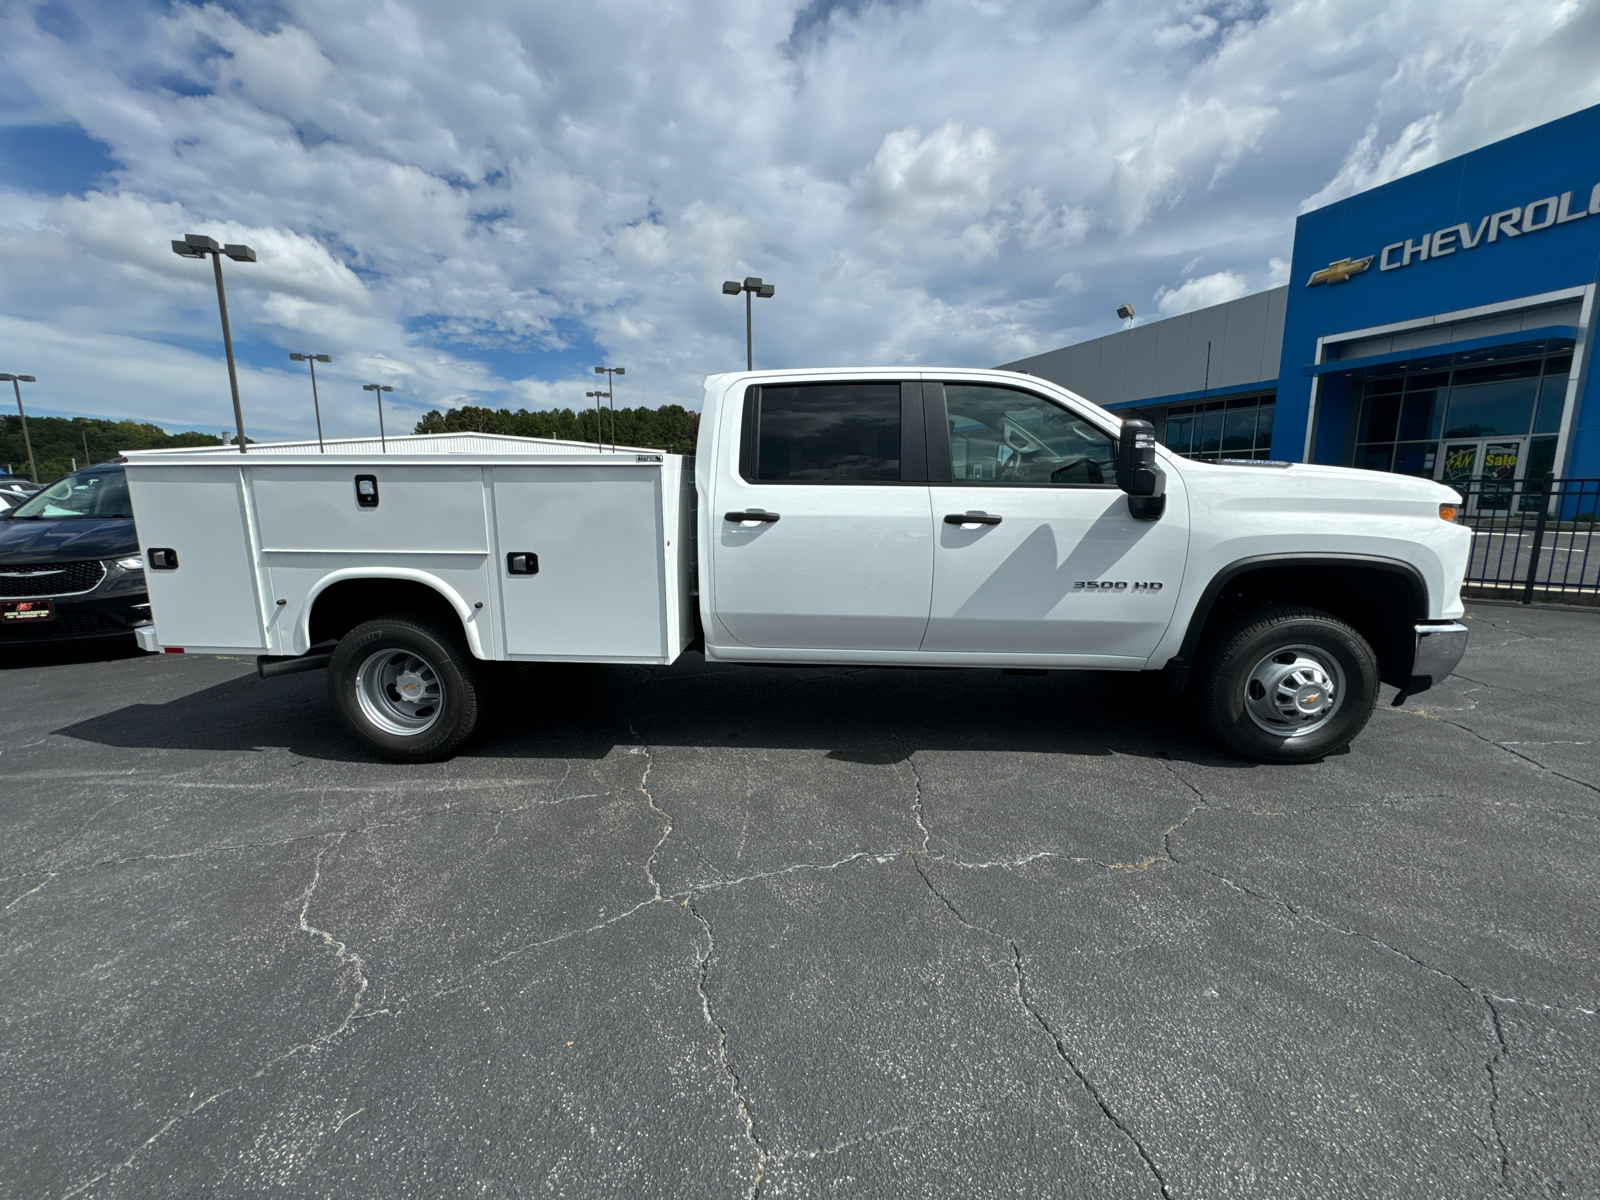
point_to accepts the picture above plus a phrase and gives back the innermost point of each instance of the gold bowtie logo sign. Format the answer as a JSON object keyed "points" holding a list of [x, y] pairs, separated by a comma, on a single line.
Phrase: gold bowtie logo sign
{"points": [[1338, 272]]}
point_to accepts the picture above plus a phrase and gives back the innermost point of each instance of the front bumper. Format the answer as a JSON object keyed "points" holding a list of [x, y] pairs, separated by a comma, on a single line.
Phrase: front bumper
{"points": [[1438, 653], [80, 618]]}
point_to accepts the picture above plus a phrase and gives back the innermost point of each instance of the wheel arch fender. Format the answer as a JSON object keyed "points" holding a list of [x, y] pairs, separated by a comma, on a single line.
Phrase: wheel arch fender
{"points": [[1279, 566], [464, 612]]}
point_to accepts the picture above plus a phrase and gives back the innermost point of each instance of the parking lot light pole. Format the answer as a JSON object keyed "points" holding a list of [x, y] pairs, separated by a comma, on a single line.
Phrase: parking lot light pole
{"points": [[313, 360], [379, 389], [197, 245], [611, 386], [16, 382], [599, 433], [752, 286]]}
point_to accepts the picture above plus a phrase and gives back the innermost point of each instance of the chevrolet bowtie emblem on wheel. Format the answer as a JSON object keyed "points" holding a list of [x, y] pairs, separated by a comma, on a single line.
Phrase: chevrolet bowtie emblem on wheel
{"points": [[1338, 272]]}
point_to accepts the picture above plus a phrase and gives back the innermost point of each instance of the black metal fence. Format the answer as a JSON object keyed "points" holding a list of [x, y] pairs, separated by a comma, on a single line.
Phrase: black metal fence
{"points": [[1533, 539]]}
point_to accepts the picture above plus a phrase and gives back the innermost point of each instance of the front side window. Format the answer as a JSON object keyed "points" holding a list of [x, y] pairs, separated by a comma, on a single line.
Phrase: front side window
{"points": [[1003, 436], [96, 494], [829, 433]]}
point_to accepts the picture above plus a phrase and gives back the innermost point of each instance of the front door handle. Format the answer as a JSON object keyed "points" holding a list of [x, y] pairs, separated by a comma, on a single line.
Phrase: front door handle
{"points": [[750, 516], [971, 518]]}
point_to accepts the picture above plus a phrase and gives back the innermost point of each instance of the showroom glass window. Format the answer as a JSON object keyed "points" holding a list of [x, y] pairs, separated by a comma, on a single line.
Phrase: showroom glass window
{"points": [[1404, 418], [829, 433], [1001, 436], [1238, 427]]}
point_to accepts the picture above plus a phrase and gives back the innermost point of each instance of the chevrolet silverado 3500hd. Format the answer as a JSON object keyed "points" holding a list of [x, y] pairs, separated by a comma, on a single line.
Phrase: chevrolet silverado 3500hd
{"points": [[958, 518]]}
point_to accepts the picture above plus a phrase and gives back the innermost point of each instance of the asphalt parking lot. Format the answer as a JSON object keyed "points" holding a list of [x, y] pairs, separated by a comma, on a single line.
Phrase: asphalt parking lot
{"points": [[708, 931]]}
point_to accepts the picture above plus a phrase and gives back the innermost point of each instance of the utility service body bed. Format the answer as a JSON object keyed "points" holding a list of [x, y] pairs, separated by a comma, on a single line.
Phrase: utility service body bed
{"points": [[546, 550]]}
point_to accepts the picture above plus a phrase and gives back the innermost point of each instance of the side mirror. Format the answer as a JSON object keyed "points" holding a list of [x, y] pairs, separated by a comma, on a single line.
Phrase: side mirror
{"points": [[1137, 473]]}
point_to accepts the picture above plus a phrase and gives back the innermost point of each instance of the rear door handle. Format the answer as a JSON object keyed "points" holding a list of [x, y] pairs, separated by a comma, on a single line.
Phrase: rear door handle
{"points": [[750, 516], [971, 518]]}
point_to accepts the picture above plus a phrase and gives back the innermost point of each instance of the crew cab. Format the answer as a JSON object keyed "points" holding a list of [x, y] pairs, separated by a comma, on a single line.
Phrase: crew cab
{"points": [[954, 518]]}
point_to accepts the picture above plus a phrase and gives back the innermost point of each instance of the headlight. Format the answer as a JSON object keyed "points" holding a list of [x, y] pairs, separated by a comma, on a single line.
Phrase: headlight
{"points": [[131, 564]]}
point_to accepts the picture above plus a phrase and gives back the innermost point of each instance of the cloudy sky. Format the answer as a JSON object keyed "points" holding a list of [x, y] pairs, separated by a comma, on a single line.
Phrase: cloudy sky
{"points": [[477, 201]]}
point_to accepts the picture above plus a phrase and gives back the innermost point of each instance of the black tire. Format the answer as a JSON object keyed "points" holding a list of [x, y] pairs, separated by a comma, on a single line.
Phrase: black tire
{"points": [[1261, 703], [388, 723]]}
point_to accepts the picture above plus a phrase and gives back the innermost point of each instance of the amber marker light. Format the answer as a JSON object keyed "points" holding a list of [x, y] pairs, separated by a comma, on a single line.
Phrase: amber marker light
{"points": [[1447, 512]]}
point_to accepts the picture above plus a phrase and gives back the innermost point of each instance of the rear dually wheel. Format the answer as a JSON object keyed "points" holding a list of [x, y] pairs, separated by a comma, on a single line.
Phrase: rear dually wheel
{"points": [[406, 688]]}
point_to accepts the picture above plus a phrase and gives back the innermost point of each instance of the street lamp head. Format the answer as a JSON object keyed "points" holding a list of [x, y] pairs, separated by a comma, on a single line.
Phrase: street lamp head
{"points": [[1125, 311], [18, 378], [376, 387], [184, 250], [599, 370], [239, 253], [293, 357], [323, 357], [198, 244], [752, 283], [765, 290], [620, 370], [729, 288]]}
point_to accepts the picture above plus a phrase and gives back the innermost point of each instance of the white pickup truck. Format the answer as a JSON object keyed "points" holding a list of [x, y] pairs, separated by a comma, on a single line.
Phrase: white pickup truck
{"points": [[953, 518]]}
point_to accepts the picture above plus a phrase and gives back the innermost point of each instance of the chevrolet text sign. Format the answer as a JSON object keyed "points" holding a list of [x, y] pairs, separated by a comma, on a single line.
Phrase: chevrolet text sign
{"points": [[1509, 223]]}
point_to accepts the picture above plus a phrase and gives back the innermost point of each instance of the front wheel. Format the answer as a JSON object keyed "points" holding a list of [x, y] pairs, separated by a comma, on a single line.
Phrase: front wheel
{"points": [[1287, 685], [406, 688]]}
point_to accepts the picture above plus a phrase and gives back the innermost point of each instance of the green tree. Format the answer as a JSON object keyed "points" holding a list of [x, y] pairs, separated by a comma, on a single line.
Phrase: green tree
{"points": [[672, 427], [58, 441]]}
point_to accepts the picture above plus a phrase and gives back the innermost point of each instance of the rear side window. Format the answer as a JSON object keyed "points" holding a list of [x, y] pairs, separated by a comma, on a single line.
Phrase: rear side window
{"points": [[829, 433]]}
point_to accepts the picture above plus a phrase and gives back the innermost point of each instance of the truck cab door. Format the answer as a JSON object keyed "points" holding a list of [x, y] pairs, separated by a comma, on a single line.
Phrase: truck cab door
{"points": [[822, 535], [1037, 552]]}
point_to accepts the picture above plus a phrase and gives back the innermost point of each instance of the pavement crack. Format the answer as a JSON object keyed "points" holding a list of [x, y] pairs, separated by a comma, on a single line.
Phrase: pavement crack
{"points": [[735, 1086], [193, 1107], [666, 817], [1499, 1056], [1489, 999], [916, 801], [1508, 747], [48, 877], [1056, 1040], [1088, 1084], [342, 952]]}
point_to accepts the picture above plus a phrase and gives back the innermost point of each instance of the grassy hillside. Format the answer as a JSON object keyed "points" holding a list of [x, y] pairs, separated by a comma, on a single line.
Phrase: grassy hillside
{"points": [[672, 428], [59, 440]]}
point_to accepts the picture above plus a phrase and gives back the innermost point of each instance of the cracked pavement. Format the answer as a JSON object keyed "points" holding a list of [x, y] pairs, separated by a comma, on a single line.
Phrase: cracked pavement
{"points": [[734, 932]]}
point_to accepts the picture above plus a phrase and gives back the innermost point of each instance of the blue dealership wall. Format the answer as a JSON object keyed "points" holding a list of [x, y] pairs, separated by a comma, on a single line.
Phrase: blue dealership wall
{"points": [[1549, 161]]}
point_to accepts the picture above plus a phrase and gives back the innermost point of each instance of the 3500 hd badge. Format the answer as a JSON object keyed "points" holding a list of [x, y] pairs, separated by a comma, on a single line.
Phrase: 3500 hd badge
{"points": [[1106, 585]]}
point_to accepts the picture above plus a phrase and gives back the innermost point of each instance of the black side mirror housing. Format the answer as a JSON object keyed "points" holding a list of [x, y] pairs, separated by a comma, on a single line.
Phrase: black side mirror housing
{"points": [[1137, 472]]}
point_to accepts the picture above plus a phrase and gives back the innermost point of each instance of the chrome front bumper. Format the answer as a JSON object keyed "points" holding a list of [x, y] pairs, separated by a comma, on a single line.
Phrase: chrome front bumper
{"points": [[1439, 651]]}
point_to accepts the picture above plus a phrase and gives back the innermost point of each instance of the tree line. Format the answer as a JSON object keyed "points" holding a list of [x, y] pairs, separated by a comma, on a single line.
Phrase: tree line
{"points": [[672, 427], [58, 441]]}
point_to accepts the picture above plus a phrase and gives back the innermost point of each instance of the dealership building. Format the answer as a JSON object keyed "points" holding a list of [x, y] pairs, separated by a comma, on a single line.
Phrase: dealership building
{"points": [[1440, 325]]}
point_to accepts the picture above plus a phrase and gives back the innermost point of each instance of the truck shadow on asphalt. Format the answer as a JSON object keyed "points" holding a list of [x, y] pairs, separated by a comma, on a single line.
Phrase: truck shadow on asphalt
{"points": [[859, 715]]}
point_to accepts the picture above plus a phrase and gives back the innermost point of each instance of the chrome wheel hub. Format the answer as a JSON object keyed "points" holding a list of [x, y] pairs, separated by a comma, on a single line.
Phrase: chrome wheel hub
{"points": [[1294, 691], [399, 692]]}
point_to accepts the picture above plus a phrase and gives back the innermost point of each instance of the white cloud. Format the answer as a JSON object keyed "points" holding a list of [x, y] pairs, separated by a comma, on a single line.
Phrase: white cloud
{"points": [[1201, 292], [474, 206]]}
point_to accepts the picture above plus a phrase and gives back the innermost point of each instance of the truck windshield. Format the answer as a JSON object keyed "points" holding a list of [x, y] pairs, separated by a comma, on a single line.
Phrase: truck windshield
{"points": [[92, 494]]}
